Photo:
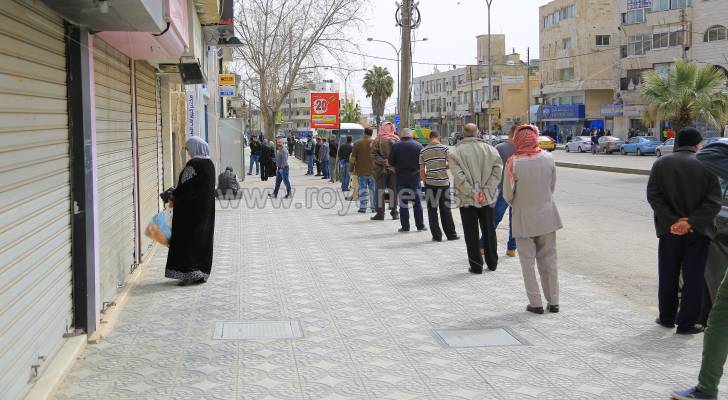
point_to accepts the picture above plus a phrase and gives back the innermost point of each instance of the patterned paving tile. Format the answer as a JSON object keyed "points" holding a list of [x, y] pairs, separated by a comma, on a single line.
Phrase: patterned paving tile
{"points": [[368, 300]]}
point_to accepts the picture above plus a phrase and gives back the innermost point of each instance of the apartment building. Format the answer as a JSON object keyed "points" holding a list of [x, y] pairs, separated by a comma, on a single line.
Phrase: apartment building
{"points": [[446, 100], [652, 35], [576, 64]]}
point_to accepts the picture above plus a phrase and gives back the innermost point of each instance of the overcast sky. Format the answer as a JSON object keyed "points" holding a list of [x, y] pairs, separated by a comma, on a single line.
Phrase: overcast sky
{"points": [[451, 27]]}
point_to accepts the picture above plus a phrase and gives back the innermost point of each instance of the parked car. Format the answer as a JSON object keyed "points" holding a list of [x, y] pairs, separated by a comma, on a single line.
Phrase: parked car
{"points": [[454, 138], [665, 148], [609, 144], [546, 143], [640, 145], [579, 143], [710, 140], [500, 139]]}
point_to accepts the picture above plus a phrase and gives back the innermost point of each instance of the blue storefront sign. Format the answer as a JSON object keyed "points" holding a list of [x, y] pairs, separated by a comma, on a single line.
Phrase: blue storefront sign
{"points": [[612, 110], [563, 113], [425, 123]]}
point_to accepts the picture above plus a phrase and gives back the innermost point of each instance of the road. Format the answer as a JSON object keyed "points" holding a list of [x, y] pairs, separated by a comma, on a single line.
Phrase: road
{"points": [[608, 234]]}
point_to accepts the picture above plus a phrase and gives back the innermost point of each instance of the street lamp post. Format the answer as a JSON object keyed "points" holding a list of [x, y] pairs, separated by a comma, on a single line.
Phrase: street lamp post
{"points": [[396, 50]]}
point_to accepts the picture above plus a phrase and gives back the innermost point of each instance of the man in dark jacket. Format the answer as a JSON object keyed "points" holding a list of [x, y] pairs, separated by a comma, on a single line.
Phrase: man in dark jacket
{"points": [[310, 149], [405, 158], [685, 198], [343, 157], [227, 184], [715, 343], [333, 151], [316, 157], [255, 149]]}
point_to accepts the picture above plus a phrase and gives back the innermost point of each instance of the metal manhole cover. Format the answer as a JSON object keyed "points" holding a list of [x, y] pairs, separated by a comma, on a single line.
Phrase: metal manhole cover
{"points": [[488, 337], [257, 330]]}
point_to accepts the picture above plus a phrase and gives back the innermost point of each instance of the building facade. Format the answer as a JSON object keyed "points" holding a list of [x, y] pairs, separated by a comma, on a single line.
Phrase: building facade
{"points": [[89, 144], [576, 64], [446, 100], [652, 35]]}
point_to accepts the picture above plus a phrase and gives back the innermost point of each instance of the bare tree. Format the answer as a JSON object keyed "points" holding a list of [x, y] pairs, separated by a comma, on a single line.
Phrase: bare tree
{"points": [[281, 38]]}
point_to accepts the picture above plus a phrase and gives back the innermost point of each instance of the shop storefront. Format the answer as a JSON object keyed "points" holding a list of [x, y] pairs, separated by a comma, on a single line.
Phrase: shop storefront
{"points": [[563, 121]]}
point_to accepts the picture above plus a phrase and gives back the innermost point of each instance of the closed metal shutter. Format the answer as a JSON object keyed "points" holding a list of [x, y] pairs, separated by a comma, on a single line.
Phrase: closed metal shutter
{"points": [[148, 135], [112, 76], [35, 217]]}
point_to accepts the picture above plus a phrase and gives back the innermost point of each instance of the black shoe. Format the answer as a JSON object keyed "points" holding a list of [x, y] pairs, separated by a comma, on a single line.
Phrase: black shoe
{"points": [[475, 271], [362, 211], [553, 308], [395, 216], [493, 268], [663, 324], [272, 196], [535, 310], [454, 238], [422, 229], [287, 196], [403, 230], [691, 330], [436, 239], [377, 217]]}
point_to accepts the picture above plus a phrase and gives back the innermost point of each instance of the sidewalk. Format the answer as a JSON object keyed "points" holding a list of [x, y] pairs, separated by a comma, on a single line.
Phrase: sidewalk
{"points": [[605, 162], [368, 301]]}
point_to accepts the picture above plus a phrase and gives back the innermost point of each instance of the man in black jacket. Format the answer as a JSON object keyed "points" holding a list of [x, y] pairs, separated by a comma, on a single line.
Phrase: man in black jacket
{"points": [[343, 160], [255, 149], [405, 158], [227, 184], [685, 198]]}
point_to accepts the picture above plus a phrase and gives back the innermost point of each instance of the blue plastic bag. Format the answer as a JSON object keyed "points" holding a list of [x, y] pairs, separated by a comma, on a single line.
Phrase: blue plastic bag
{"points": [[164, 221]]}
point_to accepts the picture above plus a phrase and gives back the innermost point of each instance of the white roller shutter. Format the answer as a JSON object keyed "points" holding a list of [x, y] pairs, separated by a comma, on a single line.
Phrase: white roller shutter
{"points": [[35, 217], [112, 76], [148, 134]]}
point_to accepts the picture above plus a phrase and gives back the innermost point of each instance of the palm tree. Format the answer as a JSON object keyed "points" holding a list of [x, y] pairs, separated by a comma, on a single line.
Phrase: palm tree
{"points": [[350, 112], [687, 95], [379, 85]]}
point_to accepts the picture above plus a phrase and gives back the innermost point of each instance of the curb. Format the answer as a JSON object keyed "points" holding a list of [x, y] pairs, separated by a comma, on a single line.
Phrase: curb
{"points": [[603, 168]]}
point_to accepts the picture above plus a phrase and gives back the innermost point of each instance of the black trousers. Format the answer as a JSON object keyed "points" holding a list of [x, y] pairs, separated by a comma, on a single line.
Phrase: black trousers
{"points": [[689, 254], [318, 168], [477, 220], [386, 182], [438, 197]]}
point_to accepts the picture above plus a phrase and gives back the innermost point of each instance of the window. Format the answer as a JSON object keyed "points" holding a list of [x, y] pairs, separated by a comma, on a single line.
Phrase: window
{"points": [[715, 33], [662, 69], [667, 37], [662, 5], [660, 40], [633, 79], [602, 40], [634, 17], [566, 74], [566, 43], [637, 45]]}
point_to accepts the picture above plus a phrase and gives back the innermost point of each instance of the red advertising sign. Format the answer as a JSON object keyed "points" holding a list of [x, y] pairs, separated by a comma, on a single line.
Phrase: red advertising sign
{"points": [[325, 110]]}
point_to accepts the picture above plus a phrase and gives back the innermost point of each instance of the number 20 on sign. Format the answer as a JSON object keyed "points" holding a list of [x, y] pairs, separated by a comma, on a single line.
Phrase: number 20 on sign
{"points": [[324, 110]]}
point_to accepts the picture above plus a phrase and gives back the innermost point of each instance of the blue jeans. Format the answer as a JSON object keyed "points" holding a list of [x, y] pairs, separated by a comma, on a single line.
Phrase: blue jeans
{"points": [[410, 192], [309, 164], [325, 169], [254, 159], [344, 174], [501, 206], [366, 192], [282, 175]]}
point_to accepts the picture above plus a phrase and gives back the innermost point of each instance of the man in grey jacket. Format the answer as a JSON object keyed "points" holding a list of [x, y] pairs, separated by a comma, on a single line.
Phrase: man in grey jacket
{"points": [[477, 167]]}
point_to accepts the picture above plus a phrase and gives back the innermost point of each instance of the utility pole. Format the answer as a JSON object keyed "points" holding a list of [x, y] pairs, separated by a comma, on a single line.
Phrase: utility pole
{"points": [[528, 85], [406, 57], [683, 24], [472, 109], [490, 69]]}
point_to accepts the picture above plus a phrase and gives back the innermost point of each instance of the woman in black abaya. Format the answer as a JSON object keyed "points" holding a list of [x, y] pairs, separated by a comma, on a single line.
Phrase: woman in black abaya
{"points": [[193, 221]]}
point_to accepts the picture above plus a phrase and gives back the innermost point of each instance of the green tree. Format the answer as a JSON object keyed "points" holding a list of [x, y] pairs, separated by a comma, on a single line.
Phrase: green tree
{"points": [[379, 85], [351, 112], [687, 95]]}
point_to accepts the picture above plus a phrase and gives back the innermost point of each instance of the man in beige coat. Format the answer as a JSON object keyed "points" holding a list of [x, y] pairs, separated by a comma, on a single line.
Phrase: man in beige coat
{"points": [[476, 167], [529, 184]]}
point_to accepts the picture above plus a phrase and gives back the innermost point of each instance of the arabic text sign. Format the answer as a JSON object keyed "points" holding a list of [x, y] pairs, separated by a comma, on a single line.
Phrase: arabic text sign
{"points": [[324, 110]]}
